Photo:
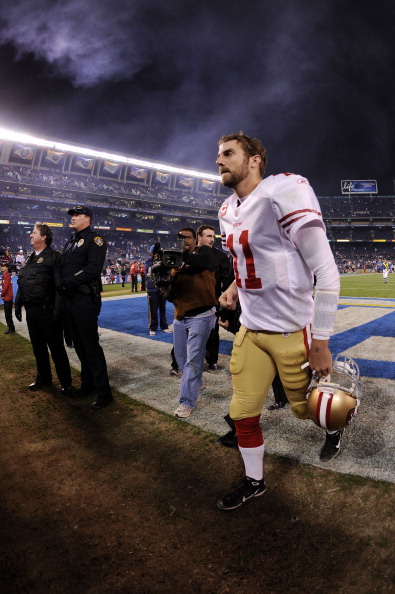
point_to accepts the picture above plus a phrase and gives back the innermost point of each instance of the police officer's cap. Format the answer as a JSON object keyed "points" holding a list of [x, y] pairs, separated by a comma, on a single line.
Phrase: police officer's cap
{"points": [[80, 210]]}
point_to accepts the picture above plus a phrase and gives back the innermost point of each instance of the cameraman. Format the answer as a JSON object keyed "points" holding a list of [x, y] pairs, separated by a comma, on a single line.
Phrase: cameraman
{"points": [[193, 294]]}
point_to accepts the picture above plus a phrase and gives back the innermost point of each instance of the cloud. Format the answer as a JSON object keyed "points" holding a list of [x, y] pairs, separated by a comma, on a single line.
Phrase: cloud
{"points": [[166, 78], [87, 41]]}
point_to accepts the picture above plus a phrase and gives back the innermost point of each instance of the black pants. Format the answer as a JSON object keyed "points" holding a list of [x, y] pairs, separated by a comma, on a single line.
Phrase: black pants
{"points": [[157, 302], [174, 364], [44, 334], [82, 319], [134, 282], [212, 345], [8, 315], [280, 396]]}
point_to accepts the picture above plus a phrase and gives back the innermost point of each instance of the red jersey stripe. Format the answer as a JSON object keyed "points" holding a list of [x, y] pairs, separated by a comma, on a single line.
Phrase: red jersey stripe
{"points": [[295, 212]]}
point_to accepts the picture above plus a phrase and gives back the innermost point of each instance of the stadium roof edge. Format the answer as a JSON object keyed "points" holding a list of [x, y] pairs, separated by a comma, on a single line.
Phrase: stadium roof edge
{"points": [[80, 149]]}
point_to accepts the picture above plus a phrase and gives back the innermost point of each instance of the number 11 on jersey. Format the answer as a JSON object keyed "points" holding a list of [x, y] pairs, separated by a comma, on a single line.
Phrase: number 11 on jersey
{"points": [[251, 281]]}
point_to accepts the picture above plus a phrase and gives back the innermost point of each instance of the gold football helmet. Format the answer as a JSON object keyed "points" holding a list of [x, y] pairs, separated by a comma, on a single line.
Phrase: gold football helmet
{"points": [[333, 400]]}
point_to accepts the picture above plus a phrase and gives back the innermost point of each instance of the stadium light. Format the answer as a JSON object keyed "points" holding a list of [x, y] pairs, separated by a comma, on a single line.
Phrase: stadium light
{"points": [[99, 154]]}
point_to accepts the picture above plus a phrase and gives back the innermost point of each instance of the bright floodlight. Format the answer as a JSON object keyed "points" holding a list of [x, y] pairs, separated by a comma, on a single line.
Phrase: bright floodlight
{"points": [[60, 146]]}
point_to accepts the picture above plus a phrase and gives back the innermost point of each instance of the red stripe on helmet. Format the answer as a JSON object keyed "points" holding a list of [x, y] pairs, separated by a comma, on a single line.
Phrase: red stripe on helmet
{"points": [[317, 412], [328, 413]]}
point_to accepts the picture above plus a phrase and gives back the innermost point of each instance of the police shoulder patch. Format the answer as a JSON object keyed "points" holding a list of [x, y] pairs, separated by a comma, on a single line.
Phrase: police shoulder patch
{"points": [[98, 241]]}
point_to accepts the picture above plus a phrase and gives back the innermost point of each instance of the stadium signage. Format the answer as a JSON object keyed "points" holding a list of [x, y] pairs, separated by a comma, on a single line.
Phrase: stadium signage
{"points": [[360, 186], [4, 222]]}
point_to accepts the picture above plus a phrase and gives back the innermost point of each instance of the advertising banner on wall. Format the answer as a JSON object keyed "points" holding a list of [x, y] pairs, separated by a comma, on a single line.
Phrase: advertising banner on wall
{"points": [[360, 186]]}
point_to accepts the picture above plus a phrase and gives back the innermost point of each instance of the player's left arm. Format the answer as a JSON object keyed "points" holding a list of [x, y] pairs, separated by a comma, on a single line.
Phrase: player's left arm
{"points": [[311, 241]]}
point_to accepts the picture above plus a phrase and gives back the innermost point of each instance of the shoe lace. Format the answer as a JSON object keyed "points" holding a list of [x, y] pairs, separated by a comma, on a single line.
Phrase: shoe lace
{"points": [[245, 487]]}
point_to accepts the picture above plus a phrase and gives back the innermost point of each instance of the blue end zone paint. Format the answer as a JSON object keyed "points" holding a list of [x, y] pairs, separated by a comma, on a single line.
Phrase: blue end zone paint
{"points": [[130, 316], [383, 326]]}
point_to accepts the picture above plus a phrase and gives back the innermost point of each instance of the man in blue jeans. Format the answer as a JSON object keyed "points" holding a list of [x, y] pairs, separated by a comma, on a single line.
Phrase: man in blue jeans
{"points": [[193, 295]]}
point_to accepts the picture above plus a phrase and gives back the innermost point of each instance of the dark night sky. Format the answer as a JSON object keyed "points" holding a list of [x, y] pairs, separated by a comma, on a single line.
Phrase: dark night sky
{"points": [[164, 79]]}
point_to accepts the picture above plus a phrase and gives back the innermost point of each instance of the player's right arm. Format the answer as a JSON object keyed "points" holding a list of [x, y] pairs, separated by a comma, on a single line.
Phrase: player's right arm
{"points": [[229, 298]]}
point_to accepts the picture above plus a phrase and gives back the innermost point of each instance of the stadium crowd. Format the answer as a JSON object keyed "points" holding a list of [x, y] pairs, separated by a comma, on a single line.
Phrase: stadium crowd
{"points": [[361, 229]]}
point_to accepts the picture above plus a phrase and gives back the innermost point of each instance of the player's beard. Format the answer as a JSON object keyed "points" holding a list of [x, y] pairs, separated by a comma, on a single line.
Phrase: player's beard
{"points": [[235, 177]]}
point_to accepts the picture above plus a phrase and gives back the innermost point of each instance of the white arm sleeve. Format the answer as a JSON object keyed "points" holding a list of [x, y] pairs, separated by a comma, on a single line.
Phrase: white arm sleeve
{"points": [[312, 243]]}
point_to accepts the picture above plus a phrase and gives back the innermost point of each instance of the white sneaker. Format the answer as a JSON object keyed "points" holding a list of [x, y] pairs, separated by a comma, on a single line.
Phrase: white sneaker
{"points": [[168, 331], [152, 332], [183, 411]]}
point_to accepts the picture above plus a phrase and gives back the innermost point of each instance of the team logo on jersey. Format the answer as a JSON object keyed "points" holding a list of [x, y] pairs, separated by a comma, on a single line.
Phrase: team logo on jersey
{"points": [[98, 241], [223, 210], [237, 212], [80, 243], [40, 260], [302, 180]]}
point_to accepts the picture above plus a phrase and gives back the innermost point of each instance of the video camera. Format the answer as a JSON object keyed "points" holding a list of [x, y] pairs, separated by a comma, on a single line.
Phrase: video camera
{"points": [[165, 261]]}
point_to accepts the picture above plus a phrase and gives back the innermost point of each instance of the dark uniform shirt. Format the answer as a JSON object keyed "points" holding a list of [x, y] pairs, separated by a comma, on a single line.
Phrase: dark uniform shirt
{"points": [[36, 279], [82, 261]]}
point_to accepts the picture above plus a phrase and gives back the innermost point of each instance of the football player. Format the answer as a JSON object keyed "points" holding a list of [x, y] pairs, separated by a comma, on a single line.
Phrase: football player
{"points": [[385, 271], [274, 230]]}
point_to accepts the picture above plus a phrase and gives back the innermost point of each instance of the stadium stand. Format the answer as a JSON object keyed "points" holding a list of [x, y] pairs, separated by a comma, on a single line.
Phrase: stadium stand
{"points": [[134, 213]]}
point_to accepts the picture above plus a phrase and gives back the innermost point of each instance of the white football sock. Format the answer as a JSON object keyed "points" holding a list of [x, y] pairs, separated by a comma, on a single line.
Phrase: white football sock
{"points": [[253, 461]]}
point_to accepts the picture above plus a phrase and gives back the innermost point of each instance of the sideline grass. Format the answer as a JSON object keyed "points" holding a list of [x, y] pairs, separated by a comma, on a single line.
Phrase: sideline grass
{"points": [[118, 290], [352, 285], [367, 285]]}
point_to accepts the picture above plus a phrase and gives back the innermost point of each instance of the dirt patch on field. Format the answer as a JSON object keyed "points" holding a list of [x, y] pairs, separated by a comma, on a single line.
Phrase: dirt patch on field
{"points": [[124, 500]]}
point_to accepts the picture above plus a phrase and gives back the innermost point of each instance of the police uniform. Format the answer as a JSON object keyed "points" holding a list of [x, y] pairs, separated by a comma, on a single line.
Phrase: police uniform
{"points": [[80, 267], [36, 292]]}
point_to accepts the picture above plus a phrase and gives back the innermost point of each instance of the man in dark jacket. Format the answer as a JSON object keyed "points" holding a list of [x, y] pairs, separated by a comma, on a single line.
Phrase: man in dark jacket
{"points": [[223, 277], [156, 300], [36, 292], [79, 282]]}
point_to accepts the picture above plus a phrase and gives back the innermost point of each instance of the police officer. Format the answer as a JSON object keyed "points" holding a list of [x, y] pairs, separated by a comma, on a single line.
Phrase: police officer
{"points": [[79, 281], [37, 293]]}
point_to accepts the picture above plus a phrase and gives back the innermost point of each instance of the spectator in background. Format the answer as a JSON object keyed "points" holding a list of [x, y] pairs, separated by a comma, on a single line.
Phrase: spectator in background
{"points": [[134, 270], [123, 273], [156, 300], [7, 296], [142, 275], [7, 257], [36, 292], [20, 259]]}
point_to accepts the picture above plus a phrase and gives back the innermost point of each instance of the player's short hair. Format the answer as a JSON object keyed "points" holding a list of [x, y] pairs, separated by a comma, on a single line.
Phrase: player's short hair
{"points": [[199, 230], [190, 229], [45, 230], [251, 147]]}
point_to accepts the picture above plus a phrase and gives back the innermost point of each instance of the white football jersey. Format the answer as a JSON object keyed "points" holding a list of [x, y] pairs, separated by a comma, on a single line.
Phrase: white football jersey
{"points": [[274, 283]]}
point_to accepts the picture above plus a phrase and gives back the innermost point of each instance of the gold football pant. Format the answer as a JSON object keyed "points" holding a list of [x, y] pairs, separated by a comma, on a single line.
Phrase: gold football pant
{"points": [[256, 356]]}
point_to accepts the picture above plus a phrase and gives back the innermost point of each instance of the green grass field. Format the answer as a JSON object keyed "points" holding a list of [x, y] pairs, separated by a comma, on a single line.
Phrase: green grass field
{"points": [[367, 285], [352, 285]]}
